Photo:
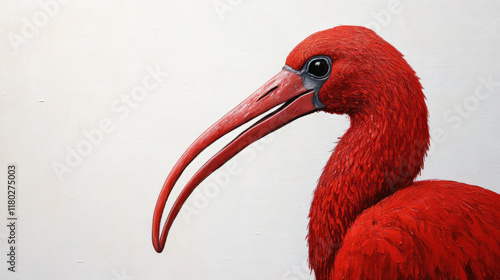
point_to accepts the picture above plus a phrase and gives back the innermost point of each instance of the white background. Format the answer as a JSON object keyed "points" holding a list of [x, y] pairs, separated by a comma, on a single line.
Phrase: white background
{"points": [[65, 67]]}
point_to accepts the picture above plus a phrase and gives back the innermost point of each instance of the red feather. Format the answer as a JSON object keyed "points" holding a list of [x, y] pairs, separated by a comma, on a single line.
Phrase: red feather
{"points": [[429, 230]]}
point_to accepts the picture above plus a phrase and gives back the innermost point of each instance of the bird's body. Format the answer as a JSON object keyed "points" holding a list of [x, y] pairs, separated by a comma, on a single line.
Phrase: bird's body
{"points": [[429, 230], [369, 218]]}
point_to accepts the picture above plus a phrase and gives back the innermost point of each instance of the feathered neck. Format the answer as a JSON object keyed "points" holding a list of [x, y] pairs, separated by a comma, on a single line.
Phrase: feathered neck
{"points": [[382, 151]]}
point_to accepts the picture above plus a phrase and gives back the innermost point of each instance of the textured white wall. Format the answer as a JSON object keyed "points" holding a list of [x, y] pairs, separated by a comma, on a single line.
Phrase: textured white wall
{"points": [[68, 69]]}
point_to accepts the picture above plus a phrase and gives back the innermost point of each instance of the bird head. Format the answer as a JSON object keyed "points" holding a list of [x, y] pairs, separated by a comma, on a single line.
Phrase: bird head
{"points": [[361, 73], [344, 70]]}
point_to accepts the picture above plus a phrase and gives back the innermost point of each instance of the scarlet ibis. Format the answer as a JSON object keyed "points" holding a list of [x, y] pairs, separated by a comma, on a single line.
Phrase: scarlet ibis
{"points": [[369, 218]]}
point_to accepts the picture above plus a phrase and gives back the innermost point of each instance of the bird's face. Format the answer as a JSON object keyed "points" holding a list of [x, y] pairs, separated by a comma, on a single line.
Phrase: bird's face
{"points": [[347, 66], [324, 72]]}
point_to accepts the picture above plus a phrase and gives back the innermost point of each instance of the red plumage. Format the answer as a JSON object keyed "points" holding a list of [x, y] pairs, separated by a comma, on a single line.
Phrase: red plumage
{"points": [[429, 230], [368, 218]]}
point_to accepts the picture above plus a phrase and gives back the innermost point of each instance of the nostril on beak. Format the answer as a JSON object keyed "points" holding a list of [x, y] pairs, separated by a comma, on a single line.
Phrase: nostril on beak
{"points": [[267, 93]]}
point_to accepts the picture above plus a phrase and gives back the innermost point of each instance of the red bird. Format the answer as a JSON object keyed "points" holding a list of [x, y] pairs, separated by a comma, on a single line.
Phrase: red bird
{"points": [[369, 219]]}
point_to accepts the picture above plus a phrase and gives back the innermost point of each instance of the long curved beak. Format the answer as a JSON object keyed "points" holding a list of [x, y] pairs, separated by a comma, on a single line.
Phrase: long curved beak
{"points": [[285, 89]]}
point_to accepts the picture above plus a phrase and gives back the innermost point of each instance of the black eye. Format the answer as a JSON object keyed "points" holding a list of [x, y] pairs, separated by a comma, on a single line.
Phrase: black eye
{"points": [[318, 67]]}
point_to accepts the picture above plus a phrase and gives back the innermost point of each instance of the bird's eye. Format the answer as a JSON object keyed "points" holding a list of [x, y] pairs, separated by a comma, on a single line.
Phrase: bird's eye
{"points": [[318, 67]]}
